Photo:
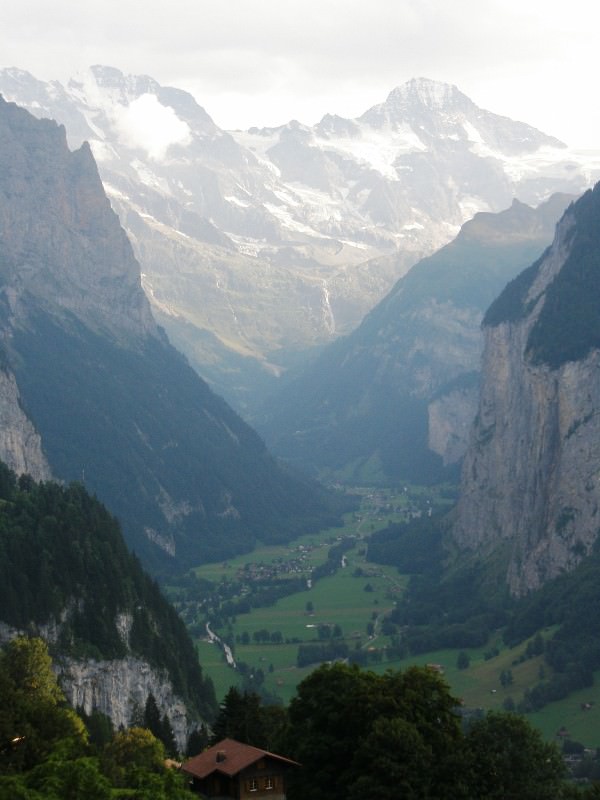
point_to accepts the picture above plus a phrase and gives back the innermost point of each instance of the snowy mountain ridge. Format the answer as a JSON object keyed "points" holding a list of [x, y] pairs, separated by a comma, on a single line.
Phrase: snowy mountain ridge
{"points": [[258, 245]]}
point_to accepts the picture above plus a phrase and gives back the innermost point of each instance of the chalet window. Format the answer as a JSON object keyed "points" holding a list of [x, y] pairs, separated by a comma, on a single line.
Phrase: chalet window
{"points": [[252, 785], [269, 783]]}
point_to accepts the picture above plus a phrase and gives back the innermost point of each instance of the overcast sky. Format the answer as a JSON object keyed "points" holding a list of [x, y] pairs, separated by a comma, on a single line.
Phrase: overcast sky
{"points": [[264, 62]]}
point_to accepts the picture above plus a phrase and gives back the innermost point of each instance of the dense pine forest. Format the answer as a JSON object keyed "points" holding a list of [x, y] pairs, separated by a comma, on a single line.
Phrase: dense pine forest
{"points": [[62, 557]]}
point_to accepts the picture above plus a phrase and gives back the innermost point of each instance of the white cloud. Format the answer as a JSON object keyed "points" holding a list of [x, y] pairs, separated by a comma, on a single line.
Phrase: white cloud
{"points": [[266, 61], [147, 124]]}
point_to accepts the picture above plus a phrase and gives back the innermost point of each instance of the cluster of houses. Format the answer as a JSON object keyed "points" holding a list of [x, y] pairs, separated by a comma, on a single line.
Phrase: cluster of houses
{"points": [[296, 564]]}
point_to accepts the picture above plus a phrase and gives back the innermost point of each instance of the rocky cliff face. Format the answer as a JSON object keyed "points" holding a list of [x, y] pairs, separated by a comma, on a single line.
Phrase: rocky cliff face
{"points": [[450, 417], [115, 687], [20, 443], [52, 207], [119, 687], [531, 477], [62, 245]]}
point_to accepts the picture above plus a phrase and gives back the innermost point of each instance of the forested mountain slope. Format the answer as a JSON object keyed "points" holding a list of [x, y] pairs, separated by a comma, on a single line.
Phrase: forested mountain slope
{"points": [[67, 575]]}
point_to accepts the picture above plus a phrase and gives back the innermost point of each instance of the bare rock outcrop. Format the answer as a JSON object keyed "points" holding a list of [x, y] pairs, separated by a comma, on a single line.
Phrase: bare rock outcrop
{"points": [[119, 687], [531, 477], [20, 443], [62, 245]]}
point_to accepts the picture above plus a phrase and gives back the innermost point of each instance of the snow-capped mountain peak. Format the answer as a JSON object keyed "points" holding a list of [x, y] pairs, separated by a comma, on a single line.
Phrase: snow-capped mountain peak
{"points": [[416, 99], [306, 226], [433, 95]]}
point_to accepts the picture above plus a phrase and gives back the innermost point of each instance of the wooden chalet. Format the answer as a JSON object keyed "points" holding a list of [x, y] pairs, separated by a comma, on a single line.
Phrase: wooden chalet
{"points": [[231, 770]]}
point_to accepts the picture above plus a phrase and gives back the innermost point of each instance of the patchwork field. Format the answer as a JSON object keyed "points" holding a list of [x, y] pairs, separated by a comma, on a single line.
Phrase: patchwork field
{"points": [[349, 607]]}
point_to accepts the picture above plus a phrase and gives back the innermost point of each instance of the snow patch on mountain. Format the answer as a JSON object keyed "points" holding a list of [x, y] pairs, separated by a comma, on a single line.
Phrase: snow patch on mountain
{"points": [[259, 142], [320, 206], [236, 201], [149, 178], [103, 151], [552, 163], [376, 149], [473, 134], [287, 221]]}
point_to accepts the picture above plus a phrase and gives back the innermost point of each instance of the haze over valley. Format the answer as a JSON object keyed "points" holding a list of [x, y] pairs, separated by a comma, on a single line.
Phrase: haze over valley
{"points": [[298, 432]]}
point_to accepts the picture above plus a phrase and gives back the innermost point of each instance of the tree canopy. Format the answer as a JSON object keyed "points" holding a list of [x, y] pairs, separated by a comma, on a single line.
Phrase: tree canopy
{"points": [[509, 760], [356, 735], [341, 709], [361, 735]]}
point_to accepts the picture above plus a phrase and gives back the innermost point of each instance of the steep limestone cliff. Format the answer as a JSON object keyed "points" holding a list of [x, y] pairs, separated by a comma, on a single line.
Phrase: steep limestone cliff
{"points": [[115, 687], [450, 416], [531, 476], [62, 245], [118, 686], [20, 443]]}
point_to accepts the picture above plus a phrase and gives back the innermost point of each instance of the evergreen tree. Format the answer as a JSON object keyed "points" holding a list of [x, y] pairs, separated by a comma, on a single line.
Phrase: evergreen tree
{"points": [[197, 741], [243, 717], [152, 720], [240, 718], [462, 660], [167, 736], [136, 719], [99, 727]]}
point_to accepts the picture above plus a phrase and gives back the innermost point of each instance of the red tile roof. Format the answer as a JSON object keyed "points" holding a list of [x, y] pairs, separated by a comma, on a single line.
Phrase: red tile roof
{"points": [[229, 757]]}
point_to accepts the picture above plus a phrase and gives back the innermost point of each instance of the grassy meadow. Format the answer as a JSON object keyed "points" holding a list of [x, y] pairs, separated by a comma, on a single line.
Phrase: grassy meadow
{"points": [[356, 598]]}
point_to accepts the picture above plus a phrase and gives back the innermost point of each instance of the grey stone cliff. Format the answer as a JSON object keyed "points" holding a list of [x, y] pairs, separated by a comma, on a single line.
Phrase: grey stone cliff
{"points": [[20, 443], [61, 244], [117, 687], [531, 476]]}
